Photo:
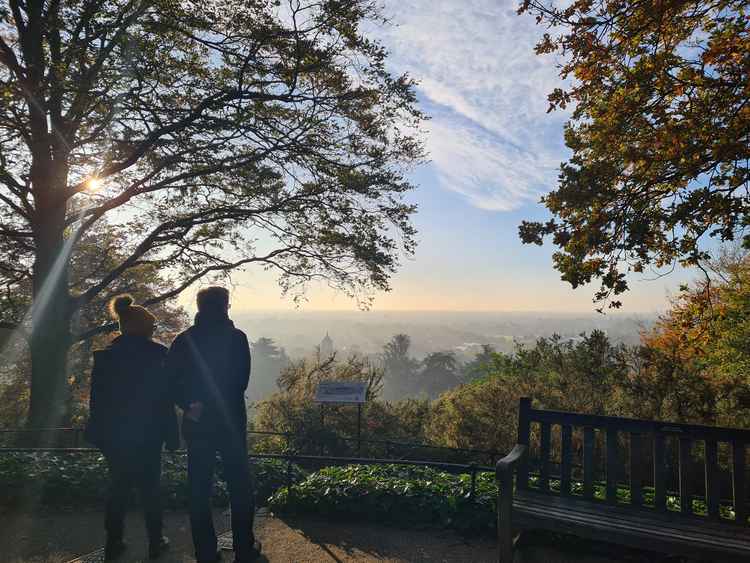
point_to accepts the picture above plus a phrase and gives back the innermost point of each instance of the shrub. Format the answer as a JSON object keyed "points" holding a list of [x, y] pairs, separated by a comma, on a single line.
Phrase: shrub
{"points": [[81, 478], [393, 494]]}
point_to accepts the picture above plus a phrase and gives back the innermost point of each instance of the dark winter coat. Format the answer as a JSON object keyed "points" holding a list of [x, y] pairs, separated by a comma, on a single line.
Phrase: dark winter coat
{"points": [[210, 363], [131, 404]]}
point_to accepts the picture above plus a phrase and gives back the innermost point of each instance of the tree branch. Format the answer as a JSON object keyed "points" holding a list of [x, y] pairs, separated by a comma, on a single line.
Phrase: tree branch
{"points": [[228, 266], [9, 59]]}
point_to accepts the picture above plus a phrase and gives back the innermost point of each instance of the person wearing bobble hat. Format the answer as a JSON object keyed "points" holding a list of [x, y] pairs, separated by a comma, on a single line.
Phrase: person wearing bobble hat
{"points": [[131, 417]]}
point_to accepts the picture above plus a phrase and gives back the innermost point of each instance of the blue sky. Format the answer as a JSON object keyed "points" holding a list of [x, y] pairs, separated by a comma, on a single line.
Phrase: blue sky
{"points": [[493, 152]]}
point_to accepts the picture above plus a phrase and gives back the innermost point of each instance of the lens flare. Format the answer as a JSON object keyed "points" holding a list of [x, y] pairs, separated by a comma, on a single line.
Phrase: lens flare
{"points": [[93, 184]]}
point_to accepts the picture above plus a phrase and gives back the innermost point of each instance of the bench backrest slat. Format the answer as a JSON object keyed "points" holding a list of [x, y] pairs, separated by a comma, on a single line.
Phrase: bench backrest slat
{"points": [[566, 461], [612, 465], [711, 460], [686, 501], [637, 462], [650, 450], [739, 492], [660, 473], [588, 462], [544, 452]]}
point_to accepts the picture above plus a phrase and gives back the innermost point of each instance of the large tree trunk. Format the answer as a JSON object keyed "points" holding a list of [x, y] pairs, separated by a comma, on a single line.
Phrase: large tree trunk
{"points": [[50, 338], [52, 305]]}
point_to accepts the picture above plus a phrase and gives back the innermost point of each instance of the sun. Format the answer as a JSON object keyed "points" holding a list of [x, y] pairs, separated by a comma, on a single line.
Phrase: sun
{"points": [[93, 184]]}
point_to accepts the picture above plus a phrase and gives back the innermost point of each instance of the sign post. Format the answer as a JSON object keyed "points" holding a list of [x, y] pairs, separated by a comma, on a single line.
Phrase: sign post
{"points": [[343, 393]]}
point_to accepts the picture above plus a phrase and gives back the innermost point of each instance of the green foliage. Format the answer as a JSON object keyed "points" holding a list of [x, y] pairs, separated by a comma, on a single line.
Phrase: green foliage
{"points": [[396, 495], [477, 367], [568, 375], [659, 134], [693, 365], [293, 411], [80, 479]]}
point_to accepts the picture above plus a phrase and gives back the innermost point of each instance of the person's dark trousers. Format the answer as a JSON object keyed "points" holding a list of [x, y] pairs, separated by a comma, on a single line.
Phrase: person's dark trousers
{"points": [[201, 462], [129, 468]]}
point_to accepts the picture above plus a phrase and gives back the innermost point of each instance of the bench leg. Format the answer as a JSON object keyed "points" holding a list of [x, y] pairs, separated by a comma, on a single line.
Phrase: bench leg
{"points": [[508, 547], [505, 541], [505, 548]]}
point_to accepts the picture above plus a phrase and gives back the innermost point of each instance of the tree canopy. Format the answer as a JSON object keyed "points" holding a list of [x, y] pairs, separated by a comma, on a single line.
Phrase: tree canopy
{"points": [[659, 134], [211, 135]]}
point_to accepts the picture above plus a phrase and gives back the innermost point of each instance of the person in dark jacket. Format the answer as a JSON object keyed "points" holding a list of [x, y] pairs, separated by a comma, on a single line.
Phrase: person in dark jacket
{"points": [[210, 368], [131, 416]]}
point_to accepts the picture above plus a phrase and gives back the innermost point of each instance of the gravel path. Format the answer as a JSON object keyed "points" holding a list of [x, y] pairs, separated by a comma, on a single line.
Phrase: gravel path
{"points": [[59, 537]]}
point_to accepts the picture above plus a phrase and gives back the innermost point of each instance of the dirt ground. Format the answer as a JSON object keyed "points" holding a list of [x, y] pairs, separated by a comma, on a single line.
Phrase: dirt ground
{"points": [[60, 537]]}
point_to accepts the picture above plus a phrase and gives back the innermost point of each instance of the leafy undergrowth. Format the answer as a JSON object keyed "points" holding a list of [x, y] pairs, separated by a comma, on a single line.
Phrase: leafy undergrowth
{"points": [[80, 479], [393, 494], [418, 496]]}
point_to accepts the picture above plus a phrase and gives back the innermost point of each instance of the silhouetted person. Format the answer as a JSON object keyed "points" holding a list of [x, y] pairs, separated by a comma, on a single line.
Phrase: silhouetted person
{"points": [[210, 367], [131, 416]]}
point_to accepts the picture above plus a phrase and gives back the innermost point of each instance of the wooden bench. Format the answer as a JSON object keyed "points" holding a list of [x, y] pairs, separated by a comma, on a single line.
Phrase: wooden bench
{"points": [[570, 497]]}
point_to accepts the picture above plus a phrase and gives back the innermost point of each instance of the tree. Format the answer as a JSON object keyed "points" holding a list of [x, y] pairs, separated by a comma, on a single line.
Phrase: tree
{"points": [[293, 410], [399, 367], [268, 362], [659, 134], [578, 375], [478, 366], [211, 136], [97, 251], [695, 360], [439, 373]]}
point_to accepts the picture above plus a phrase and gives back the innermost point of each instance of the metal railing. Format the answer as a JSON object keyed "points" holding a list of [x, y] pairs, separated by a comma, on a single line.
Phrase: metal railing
{"points": [[471, 469], [71, 437]]}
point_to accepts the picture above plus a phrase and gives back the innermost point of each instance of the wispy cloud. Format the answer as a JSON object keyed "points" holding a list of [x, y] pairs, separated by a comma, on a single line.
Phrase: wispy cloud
{"points": [[491, 139]]}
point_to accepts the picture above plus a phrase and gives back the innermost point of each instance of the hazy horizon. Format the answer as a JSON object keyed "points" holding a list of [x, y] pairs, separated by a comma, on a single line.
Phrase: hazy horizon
{"points": [[463, 332]]}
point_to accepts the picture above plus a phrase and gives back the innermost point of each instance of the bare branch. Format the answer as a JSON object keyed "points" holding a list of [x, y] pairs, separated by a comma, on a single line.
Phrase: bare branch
{"points": [[174, 292]]}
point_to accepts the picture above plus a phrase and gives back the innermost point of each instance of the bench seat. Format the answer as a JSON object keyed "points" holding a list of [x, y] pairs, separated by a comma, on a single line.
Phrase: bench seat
{"points": [[635, 458], [692, 536]]}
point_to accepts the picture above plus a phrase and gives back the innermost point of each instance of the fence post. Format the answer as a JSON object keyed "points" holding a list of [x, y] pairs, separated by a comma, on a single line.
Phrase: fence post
{"points": [[473, 469], [289, 477], [359, 429]]}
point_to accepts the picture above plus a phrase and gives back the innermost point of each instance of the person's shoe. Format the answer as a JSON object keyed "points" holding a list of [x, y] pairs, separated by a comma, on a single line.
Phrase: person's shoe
{"points": [[216, 559], [157, 549], [254, 553], [113, 550]]}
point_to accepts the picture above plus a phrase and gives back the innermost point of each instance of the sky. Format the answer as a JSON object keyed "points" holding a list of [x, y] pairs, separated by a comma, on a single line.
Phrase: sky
{"points": [[494, 151]]}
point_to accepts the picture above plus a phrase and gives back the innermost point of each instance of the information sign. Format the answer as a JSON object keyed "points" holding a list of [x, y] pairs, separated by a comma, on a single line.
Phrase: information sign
{"points": [[341, 392]]}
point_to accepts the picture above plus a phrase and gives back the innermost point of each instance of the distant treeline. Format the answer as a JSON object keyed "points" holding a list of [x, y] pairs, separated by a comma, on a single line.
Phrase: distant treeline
{"points": [[691, 366]]}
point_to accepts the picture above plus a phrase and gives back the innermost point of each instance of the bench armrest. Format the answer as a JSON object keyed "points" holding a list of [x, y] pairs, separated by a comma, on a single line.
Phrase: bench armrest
{"points": [[509, 462], [504, 474], [505, 468]]}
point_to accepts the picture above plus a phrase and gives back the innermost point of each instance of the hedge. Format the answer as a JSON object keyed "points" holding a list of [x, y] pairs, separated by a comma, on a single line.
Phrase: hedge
{"points": [[80, 479]]}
